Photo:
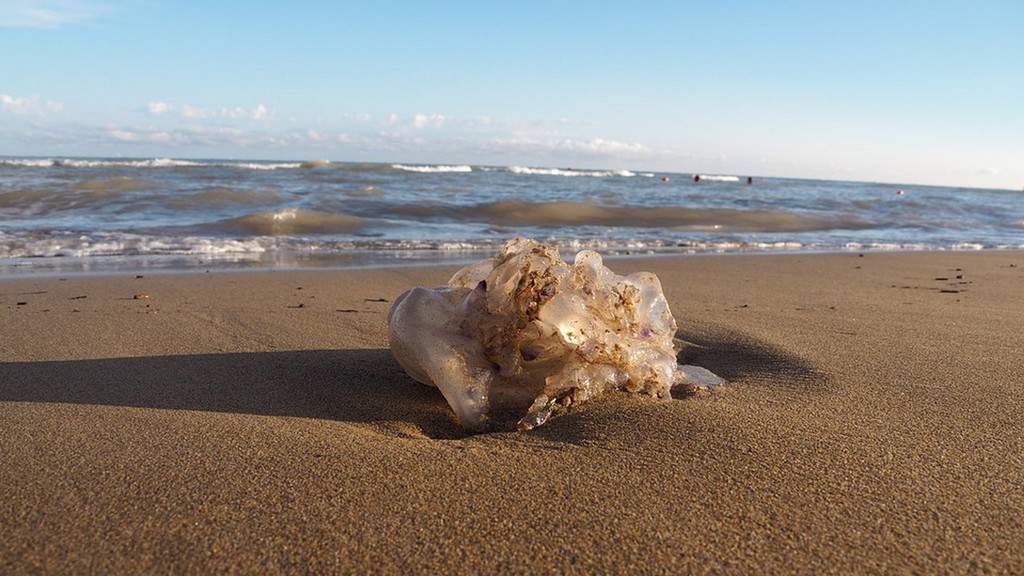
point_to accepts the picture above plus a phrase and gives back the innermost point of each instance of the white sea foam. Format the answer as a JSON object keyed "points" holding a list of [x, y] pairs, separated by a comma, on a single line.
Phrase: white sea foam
{"points": [[265, 239], [569, 172], [432, 169], [718, 178], [28, 162], [69, 244], [148, 163], [264, 166]]}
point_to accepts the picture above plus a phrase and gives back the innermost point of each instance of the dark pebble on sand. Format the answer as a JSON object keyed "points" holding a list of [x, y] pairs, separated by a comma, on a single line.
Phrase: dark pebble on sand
{"points": [[21, 303], [139, 276], [949, 291], [346, 310], [942, 278], [375, 299]]}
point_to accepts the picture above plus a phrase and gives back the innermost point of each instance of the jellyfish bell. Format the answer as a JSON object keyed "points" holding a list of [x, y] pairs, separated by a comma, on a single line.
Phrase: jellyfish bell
{"points": [[527, 332]]}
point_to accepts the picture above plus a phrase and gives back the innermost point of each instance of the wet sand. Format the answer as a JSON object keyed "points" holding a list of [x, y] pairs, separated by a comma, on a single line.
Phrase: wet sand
{"points": [[255, 422]]}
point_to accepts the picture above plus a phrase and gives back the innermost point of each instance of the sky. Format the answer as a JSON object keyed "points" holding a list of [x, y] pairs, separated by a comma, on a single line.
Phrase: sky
{"points": [[916, 92]]}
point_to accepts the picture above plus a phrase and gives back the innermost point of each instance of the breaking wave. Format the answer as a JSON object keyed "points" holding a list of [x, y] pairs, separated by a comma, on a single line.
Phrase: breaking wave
{"points": [[147, 163], [554, 214], [570, 172], [288, 222], [431, 169], [718, 178]]}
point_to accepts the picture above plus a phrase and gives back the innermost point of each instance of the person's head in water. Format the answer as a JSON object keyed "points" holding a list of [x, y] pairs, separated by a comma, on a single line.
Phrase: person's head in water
{"points": [[696, 177], [750, 179]]}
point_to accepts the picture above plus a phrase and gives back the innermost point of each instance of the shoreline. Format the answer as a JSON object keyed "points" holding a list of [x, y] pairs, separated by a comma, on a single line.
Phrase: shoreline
{"points": [[873, 421], [454, 258]]}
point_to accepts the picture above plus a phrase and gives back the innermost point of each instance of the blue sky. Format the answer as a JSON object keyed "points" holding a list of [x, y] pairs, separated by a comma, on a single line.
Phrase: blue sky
{"points": [[926, 92]]}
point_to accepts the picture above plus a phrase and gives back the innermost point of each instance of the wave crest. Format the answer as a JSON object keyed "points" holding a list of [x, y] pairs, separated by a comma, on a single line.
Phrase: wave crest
{"points": [[566, 213], [570, 172], [288, 222], [146, 163], [717, 178], [432, 169]]}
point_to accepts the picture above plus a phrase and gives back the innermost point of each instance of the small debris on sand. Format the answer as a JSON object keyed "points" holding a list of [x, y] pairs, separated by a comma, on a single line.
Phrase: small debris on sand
{"points": [[140, 296], [300, 305], [347, 310], [375, 299], [78, 297], [945, 291], [21, 303], [139, 276]]}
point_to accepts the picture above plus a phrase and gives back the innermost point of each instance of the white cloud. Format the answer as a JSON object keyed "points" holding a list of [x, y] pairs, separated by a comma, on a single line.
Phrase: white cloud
{"points": [[123, 135], [258, 112], [158, 108], [420, 121], [189, 111], [47, 14], [593, 147], [29, 105]]}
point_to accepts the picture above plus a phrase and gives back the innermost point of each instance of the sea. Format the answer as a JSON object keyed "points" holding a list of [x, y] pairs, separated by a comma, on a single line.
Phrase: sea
{"points": [[67, 215]]}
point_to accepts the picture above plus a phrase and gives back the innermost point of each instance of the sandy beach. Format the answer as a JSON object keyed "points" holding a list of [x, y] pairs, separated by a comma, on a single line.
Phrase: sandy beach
{"points": [[256, 422]]}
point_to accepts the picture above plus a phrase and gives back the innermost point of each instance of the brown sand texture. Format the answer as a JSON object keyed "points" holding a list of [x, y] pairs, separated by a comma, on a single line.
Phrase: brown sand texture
{"points": [[256, 423]]}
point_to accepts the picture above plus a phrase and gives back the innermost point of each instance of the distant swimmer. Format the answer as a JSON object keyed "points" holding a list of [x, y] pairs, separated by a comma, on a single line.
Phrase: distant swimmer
{"points": [[696, 177], [750, 180], [899, 192], [664, 178]]}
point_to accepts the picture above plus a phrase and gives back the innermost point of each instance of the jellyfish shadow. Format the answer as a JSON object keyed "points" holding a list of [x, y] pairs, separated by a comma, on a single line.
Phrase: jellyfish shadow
{"points": [[362, 386]]}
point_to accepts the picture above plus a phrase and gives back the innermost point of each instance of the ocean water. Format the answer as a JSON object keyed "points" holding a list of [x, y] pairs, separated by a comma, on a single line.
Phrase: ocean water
{"points": [[68, 214]]}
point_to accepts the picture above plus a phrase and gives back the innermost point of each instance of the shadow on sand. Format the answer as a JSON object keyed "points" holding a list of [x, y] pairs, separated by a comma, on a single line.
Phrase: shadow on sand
{"points": [[343, 385]]}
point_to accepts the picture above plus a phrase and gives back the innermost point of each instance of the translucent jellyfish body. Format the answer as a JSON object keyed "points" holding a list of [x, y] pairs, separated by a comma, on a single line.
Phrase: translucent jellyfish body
{"points": [[525, 328]]}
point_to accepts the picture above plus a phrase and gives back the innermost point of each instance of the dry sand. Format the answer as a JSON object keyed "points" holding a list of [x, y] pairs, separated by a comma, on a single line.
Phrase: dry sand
{"points": [[874, 424]]}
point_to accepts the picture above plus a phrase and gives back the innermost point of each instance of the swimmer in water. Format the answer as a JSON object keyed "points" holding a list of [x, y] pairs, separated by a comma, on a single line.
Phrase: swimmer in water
{"points": [[664, 178], [750, 180], [696, 177]]}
